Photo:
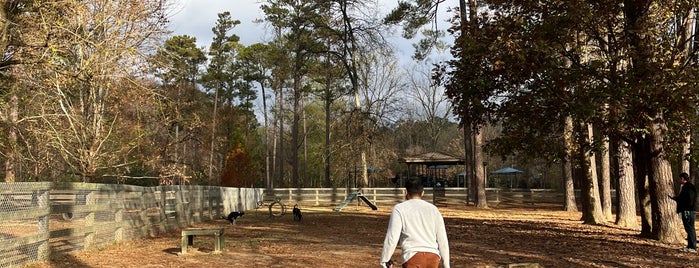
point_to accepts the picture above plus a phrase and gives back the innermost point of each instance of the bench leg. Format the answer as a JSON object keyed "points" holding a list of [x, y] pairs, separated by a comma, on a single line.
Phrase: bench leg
{"points": [[185, 244], [218, 243], [187, 241]]}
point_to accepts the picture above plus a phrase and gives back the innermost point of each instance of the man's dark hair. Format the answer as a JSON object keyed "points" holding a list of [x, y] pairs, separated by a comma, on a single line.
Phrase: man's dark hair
{"points": [[414, 187], [684, 175]]}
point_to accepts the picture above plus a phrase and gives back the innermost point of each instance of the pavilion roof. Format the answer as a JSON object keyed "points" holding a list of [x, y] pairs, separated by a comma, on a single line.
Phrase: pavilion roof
{"points": [[433, 159]]}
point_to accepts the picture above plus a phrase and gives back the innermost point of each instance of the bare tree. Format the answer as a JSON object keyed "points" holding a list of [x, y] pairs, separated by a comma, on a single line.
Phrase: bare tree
{"points": [[433, 106], [93, 49], [381, 90]]}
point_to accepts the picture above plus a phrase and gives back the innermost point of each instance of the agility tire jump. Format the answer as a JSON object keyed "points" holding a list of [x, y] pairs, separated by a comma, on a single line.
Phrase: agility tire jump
{"points": [[277, 208]]}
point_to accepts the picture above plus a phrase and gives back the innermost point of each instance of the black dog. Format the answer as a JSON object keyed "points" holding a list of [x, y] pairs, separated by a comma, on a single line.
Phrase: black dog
{"points": [[234, 215], [297, 213]]}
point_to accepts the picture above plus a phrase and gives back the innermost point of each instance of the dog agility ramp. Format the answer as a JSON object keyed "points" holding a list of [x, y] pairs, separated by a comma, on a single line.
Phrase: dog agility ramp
{"points": [[351, 197], [367, 202]]}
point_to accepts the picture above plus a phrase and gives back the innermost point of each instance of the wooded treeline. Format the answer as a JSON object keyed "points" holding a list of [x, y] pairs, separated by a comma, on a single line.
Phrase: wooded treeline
{"points": [[578, 81], [99, 90]]}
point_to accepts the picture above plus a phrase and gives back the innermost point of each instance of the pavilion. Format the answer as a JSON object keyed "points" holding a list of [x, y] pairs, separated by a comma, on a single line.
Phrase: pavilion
{"points": [[432, 164]]}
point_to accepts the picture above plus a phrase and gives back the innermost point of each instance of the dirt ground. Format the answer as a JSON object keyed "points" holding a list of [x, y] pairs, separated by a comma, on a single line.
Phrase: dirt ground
{"points": [[494, 237]]}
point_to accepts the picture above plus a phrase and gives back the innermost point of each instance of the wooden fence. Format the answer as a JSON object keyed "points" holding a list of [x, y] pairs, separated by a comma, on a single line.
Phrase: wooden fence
{"points": [[41, 220]]}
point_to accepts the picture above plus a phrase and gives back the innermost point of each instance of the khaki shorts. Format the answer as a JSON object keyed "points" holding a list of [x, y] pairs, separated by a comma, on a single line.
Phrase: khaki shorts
{"points": [[422, 260]]}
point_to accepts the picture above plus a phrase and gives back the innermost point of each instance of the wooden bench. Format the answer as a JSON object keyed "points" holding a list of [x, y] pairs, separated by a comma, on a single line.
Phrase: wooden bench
{"points": [[189, 233]]}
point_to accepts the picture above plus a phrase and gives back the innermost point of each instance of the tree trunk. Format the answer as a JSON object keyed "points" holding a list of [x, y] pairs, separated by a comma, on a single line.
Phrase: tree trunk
{"points": [[304, 170], [686, 147], [13, 116], [592, 208], [268, 181], [326, 149], [689, 23], [365, 175], [468, 163], [666, 223], [213, 136], [295, 133], [641, 161], [481, 201], [275, 166], [11, 152], [5, 22], [570, 202], [626, 199], [605, 186], [365, 169], [281, 159]]}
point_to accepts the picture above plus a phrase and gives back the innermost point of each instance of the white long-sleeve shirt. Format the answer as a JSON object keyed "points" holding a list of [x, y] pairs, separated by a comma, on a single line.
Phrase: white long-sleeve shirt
{"points": [[419, 227]]}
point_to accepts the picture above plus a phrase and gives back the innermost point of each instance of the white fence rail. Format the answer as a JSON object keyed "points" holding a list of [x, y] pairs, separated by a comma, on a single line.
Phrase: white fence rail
{"points": [[392, 196]]}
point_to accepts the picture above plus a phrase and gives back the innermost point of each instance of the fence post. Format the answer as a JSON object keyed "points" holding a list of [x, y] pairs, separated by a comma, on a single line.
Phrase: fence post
{"points": [[119, 214], [179, 208], [145, 227], [187, 203], [90, 220], [216, 200], [164, 218], [44, 252], [209, 201], [317, 198], [195, 204]]}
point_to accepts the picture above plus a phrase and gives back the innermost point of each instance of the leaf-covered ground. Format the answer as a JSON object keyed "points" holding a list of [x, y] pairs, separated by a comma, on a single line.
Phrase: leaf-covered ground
{"points": [[494, 237]]}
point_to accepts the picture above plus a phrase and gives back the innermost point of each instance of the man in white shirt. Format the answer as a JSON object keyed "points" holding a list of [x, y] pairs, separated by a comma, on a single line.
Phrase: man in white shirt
{"points": [[419, 228]]}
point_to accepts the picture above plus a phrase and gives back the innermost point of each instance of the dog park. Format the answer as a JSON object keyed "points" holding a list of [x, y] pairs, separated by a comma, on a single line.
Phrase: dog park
{"points": [[521, 230]]}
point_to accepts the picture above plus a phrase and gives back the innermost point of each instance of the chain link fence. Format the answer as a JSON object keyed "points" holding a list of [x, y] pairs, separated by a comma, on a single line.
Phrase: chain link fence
{"points": [[43, 220]]}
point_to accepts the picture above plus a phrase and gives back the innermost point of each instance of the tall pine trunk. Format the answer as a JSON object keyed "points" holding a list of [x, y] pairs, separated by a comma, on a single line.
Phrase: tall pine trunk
{"points": [[625, 192], [295, 132], [666, 223], [281, 159], [213, 136], [306, 181], [268, 181], [641, 160], [326, 147], [605, 182], [468, 163], [481, 201], [570, 202], [592, 207]]}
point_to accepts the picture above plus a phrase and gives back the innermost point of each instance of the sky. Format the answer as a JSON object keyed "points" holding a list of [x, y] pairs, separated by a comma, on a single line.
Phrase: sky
{"points": [[197, 17]]}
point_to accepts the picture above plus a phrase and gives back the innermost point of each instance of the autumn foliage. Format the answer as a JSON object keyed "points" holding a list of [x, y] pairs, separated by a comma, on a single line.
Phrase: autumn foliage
{"points": [[239, 170]]}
